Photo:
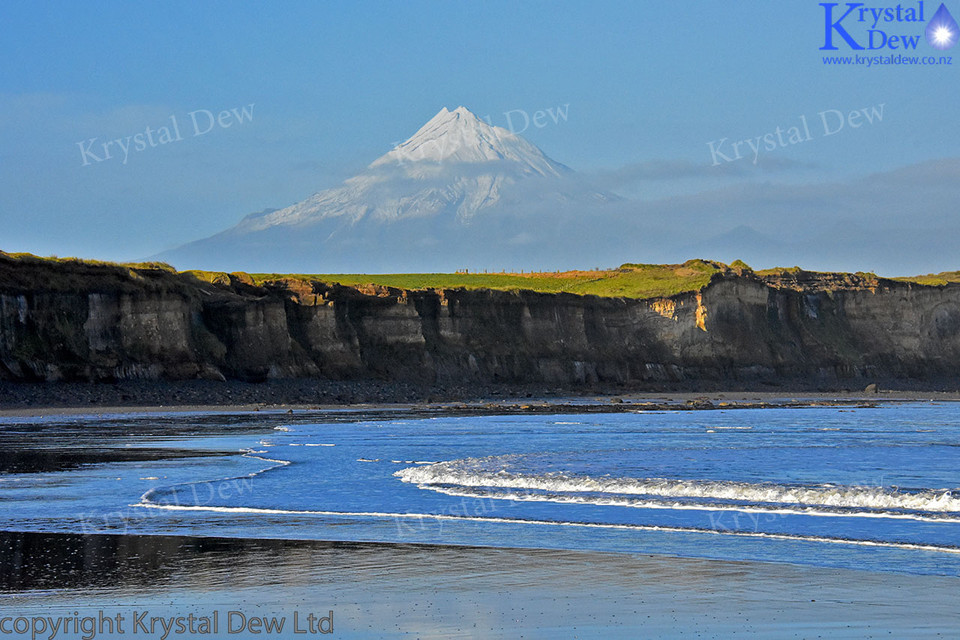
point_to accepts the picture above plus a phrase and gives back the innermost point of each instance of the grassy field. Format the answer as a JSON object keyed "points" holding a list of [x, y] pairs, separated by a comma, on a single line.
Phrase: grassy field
{"points": [[934, 279], [27, 271], [629, 280]]}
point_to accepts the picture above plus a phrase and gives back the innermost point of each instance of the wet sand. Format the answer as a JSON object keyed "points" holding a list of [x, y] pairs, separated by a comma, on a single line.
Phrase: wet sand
{"points": [[424, 591], [421, 591], [204, 395], [613, 403]]}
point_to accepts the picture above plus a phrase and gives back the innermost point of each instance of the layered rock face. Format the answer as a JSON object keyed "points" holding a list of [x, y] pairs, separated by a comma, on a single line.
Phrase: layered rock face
{"points": [[104, 323]]}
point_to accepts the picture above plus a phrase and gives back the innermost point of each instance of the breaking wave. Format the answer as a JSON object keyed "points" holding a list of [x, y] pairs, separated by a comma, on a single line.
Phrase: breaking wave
{"points": [[479, 477]]}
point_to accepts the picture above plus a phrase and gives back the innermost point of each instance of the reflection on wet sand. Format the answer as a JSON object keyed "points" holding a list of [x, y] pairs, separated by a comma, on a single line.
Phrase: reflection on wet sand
{"points": [[387, 590]]}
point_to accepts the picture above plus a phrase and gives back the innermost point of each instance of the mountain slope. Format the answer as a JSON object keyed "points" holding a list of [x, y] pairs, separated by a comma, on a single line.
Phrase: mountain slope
{"points": [[458, 193]]}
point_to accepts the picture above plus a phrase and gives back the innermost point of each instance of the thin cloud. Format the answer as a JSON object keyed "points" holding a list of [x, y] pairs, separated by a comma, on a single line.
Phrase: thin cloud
{"points": [[668, 170]]}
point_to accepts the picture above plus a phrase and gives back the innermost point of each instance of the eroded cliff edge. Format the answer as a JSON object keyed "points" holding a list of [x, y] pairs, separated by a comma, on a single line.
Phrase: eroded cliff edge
{"points": [[81, 321]]}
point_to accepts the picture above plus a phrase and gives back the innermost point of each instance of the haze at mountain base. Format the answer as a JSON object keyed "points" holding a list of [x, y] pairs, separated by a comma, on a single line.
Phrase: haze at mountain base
{"points": [[459, 193]]}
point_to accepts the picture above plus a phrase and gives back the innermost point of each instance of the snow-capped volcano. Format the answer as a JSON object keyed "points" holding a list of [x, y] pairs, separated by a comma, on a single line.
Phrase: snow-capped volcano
{"points": [[456, 179], [460, 136], [456, 162]]}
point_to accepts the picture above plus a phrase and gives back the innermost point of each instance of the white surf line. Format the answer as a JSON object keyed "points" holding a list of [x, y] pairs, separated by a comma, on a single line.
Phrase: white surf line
{"points": [[867, 499], [613, 502], [248, 454], [593, 525]]}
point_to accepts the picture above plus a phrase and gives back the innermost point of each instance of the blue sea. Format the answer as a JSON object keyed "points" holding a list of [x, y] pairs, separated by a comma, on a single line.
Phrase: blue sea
{"points": [[868, 488]]}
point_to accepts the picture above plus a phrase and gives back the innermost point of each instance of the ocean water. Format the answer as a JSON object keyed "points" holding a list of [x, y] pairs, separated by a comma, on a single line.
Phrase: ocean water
{"points": [[874, 489]]}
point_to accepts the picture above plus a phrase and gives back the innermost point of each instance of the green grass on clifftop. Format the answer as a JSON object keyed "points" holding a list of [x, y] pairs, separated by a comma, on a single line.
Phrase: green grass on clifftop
{"points": [[934, 279], [628, 281], [22, 271], [25, 271]]}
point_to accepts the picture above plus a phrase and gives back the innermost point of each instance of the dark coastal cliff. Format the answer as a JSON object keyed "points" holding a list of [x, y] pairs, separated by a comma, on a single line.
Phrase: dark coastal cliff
{"points": [[79, 321]]}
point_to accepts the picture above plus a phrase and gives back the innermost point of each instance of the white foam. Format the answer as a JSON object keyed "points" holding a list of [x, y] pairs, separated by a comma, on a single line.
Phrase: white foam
{"points": [[618, 501], [473, 472], [275, 464]]}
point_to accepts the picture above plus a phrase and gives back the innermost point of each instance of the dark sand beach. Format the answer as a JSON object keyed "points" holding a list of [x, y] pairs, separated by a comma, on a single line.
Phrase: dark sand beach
{"points": [[84, 397], [384, 590], [421, 591], [483, 320]]}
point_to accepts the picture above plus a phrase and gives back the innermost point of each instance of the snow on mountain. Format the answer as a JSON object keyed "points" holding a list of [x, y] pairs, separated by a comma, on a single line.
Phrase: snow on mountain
{"points": [[455, 180], [454, 162], [460, 136]]}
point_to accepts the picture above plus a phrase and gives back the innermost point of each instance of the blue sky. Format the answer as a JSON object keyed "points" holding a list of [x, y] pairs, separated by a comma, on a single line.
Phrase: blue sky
{"points": [[336, 84]]}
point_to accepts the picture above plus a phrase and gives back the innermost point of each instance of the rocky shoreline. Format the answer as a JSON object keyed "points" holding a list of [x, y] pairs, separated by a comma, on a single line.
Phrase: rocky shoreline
{"points": [[312, 393]]}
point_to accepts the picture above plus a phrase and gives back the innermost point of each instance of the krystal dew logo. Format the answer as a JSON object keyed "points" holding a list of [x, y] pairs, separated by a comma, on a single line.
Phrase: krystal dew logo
{"points": [[859, 26], [942, 31]]}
